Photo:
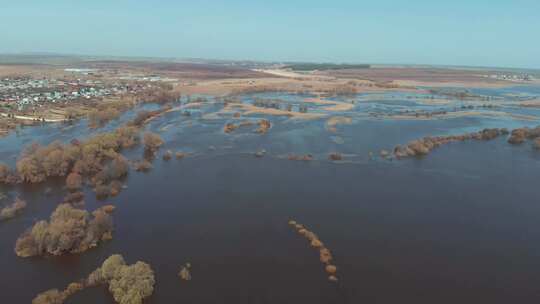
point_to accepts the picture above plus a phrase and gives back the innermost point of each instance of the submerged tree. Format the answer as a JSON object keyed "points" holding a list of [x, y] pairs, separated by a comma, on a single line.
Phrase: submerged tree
{"points": [[5, 173], [74, 181], [12, 210], [131, 284], [51, 296], [152, 142]]}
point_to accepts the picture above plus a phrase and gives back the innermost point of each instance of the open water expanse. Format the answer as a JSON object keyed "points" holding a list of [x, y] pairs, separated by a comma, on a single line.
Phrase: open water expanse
{"points": [[460, 225]]}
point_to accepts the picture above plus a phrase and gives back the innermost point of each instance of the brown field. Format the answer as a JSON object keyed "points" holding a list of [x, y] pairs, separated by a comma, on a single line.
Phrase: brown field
{"points": [[420, 76], [180, 70], [33, 70]]}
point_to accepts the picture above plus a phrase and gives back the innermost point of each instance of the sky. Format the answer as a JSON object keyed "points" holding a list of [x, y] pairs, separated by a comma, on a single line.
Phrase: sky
{"points": [[501, 33]]}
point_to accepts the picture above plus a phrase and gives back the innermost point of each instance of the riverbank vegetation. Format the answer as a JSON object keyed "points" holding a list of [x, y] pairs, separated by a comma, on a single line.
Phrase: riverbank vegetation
{"points": [[520, 135], [425, 145]]}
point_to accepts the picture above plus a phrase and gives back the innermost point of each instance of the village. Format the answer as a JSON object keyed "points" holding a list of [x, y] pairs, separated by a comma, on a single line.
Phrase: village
{"points": [[21, 93], [512, 77], [56, 94]]}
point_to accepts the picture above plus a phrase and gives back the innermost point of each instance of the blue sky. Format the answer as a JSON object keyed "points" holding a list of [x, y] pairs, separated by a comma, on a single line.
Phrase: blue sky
{"points": [[502, 33]]}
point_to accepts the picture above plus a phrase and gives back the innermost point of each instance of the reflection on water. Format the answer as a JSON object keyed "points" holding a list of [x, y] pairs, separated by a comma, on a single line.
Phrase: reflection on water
{"points": [[457, 225]]}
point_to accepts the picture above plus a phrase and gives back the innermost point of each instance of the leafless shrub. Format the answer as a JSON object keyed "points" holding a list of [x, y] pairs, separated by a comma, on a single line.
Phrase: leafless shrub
{"points": [[152, 142], [74, 181], [142, 165], [74, 197], [12, 210]]}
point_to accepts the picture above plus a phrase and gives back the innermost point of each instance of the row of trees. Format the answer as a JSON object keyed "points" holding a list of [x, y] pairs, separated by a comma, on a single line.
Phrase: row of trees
{"points": [[160, 95]]}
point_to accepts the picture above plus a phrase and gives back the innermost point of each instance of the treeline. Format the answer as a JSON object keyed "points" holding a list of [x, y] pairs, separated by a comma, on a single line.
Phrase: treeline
{"points": [[160, 95], [339, 90], [104, 112]]}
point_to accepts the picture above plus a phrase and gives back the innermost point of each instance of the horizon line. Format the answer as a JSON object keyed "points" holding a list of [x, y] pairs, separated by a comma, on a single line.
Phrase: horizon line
{"points": [[418, 65]]}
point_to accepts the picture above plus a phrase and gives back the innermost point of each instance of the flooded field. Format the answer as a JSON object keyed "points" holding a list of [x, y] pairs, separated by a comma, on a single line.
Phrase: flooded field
{"points": [[459, 224]]}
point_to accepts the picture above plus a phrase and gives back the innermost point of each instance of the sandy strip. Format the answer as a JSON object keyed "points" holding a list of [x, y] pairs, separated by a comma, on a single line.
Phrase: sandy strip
{"points": [[337, 106], [251, 109], [281, 73], [32, 118], [535, 103], [341, 107]]}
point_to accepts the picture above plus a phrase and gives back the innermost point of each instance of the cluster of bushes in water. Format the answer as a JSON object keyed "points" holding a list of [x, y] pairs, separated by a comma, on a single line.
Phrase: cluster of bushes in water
{"points": [[278, 104], [69, 230], [131, 284], [520, 135], [37, 162], [12, 210], [425, 145], [334, 156], [263, 126], [128, 284], [97, 159]]}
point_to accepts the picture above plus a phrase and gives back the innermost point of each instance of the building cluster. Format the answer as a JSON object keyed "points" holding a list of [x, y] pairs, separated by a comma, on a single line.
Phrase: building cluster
{"points": [[512, 77], [20, 92], [150, 78]]}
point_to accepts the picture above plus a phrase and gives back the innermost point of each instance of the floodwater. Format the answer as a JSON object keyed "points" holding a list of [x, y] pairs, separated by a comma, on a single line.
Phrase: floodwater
{"points": [[460, 225]]}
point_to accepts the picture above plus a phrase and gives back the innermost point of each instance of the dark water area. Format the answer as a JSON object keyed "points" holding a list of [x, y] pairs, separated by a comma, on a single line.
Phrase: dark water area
{"points": [[457, 225], [460, 225]]}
